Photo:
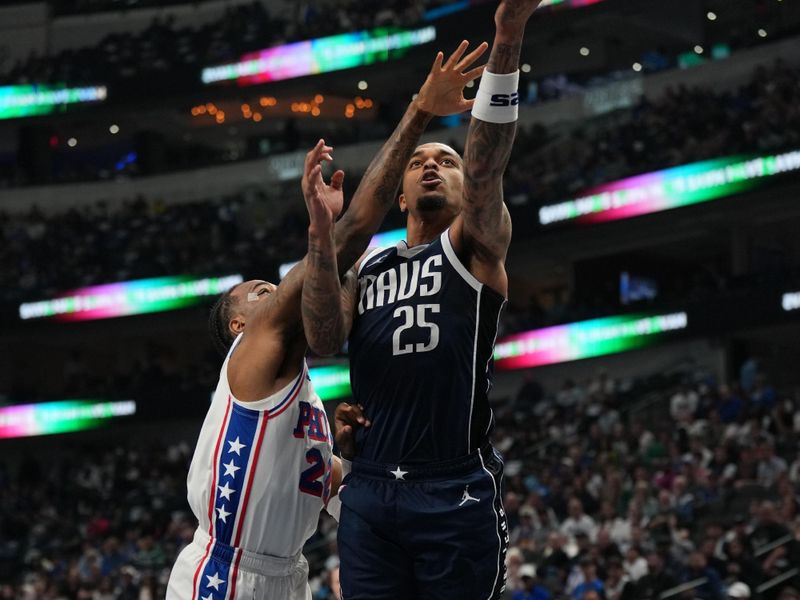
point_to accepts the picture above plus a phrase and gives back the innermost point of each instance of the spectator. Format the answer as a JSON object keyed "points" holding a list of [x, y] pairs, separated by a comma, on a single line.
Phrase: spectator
{"points": [[531, 590], [578, 521]]}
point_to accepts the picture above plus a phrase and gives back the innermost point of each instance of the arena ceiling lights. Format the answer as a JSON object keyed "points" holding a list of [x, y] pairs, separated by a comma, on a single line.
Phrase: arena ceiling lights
{"points": [[25, 420], [31, 100], [322, 55], [128, 298], [671, 188]]}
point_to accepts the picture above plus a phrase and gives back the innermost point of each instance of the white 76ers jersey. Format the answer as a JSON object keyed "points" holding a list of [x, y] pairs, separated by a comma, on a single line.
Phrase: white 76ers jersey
{"points": [[261, 471]]}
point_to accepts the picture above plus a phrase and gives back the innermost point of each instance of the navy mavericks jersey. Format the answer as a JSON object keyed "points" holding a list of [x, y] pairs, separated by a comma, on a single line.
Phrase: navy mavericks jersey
{"points": [[421, 354]]}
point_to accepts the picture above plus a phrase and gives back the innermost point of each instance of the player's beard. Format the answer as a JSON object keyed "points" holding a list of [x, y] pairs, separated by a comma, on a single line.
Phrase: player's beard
{"points": [[431, 202]]}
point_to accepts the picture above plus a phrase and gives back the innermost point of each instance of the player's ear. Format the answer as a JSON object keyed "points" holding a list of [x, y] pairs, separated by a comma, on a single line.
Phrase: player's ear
{"points": [[402, 202], [236, 324]]}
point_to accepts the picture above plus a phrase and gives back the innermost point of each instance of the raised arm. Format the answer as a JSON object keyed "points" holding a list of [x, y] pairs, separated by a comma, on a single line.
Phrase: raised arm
{"points": [[482, 233], [333, 249]]}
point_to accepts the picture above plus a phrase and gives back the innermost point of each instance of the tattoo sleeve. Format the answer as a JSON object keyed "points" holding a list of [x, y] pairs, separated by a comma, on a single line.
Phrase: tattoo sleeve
{"points": [[488, 149], [327, 304], [378, 189]]}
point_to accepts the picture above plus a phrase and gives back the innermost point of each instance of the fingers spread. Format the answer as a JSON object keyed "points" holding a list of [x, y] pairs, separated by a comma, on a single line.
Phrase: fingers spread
{"points": [[472, 57], [474, 73], [457, 54], [437, 62]]}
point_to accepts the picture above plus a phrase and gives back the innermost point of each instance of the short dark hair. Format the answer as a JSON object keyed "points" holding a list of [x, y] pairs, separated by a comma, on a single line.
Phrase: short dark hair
{"points": [[218, 320]]}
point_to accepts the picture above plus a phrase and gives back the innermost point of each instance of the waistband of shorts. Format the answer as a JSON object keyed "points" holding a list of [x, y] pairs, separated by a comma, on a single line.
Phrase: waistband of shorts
{"points": [[453, 467], [264, 564]]}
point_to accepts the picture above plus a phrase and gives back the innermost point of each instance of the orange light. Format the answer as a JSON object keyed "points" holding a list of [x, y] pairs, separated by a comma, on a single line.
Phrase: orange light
{"points": [[245, 108], [367, 103], [194, 111], [349, 115], [350, 108], [315, 111], [257, 117], [209, 106], [319, 98], [212, 110]]}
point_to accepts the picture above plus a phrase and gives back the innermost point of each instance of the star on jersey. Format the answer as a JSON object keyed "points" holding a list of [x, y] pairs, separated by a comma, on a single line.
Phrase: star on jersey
{"points": [[236, 446], [230, 469], [214, 581], [398, 474], [223, 514], [209, 597], [225, 491]]}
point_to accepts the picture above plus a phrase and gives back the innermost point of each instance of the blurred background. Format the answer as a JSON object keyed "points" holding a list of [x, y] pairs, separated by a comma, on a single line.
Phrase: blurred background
{"points": [[647, 388]]}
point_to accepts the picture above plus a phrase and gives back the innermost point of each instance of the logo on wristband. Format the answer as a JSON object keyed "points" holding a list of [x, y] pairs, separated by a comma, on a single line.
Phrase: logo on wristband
{"points": [[505, 99]]}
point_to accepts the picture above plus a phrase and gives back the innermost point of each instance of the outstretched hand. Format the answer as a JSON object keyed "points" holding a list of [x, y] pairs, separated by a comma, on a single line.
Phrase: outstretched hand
{"points": [[442, 93], [347, 419], [324, 201]]}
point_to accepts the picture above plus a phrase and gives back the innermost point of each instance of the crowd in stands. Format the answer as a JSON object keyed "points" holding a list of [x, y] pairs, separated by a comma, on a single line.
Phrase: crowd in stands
{"points": [[175, 54], [669, 486], [683, 126], [146, 238]]}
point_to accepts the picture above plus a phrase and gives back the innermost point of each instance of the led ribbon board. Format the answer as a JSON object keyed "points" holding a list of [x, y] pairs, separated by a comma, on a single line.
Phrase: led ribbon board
{"points": [[321, 55], [549, 346], [26, 420], [331, 382], [30, 100], [128, 298], [671, 188], [584, 339]]}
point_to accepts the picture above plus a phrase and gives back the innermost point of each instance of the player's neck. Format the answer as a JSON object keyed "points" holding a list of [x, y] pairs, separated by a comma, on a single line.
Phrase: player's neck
{"points": [[419, 231]]}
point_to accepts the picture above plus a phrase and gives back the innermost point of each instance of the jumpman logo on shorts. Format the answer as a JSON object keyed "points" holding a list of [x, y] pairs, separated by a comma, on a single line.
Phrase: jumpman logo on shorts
{"points": [[467, 497]]}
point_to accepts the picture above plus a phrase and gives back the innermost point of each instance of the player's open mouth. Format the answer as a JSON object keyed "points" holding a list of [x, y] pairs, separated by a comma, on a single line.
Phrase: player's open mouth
{"points": [[431, 180]]}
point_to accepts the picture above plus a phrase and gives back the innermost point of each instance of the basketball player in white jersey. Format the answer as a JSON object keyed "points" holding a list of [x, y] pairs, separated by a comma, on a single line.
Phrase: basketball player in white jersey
{"points": [[263, 466]]}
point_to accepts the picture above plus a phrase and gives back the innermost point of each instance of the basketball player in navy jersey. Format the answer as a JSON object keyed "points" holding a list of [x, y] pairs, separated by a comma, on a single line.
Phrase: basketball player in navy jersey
{"points": [[421, 511], [262, 468]]}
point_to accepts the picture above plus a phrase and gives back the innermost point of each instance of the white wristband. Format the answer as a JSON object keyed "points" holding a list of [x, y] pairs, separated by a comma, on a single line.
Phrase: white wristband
{"points": [[497, 100]]}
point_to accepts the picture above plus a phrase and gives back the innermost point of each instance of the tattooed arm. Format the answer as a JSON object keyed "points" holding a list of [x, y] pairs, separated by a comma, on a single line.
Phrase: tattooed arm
{"points": [[482, 233], [328, 303]]}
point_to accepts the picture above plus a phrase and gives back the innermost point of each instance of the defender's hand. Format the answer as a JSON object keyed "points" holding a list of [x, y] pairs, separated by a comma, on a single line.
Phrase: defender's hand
{"points": [[324, 201], [347, 419], [442, 93]]}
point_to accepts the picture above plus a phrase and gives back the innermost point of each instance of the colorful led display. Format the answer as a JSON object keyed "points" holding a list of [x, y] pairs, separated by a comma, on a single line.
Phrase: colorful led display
{"points": [[331, 382], [30, 100], [47, 418], [584, 339], [549, 346], [128, 298], [321, 55], [671, 188]]}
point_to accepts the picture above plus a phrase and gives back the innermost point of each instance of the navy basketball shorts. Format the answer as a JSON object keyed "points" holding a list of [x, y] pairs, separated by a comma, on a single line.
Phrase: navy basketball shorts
{"points": [[431, 533]]}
